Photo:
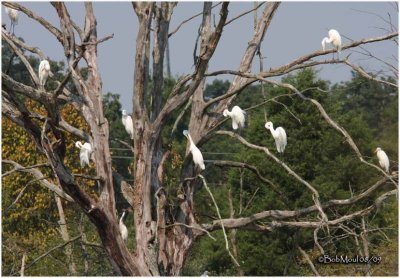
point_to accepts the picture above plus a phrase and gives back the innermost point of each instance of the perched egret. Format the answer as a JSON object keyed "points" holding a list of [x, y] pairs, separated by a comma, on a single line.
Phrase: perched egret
{"points": [[128, 123], [383, 159], [13, 15], [237, 115], [122, 228], [279, 135], [334, 38], [205, 274], [44, 71], [86, 151], [196, 153]]}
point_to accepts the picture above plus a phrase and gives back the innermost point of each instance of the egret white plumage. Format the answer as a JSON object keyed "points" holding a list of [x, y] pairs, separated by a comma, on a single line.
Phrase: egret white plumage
{"points": [[128, 123], [13, 15], [333, 38], [237, 115], [44, 71], [383, 159], [279, 135], [205, 274], [86, 151], [196, 153], [122, 228]]}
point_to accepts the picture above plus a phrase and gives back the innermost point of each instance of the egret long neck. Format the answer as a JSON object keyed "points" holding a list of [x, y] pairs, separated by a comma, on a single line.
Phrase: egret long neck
{"points": [[190, 139], [273, 131], [122, 217]]}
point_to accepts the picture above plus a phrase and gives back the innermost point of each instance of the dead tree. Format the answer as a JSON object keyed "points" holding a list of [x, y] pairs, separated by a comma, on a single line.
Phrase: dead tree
{"points": [[161, 248]]}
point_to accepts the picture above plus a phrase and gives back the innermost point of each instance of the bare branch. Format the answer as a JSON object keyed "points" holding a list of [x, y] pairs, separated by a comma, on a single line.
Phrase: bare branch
{"points": [[25, 168], [310, 263], [222, 224], [52, 249], [41, 178], [38, 95], [188, 19], [126, 145], [368, 76], [57, 33], [284, 214], [181, 114], [316, 241], [28, 66], [223, 163], [106, 38], [320, 52], [243, 14], [191, 227], [22, 271]]}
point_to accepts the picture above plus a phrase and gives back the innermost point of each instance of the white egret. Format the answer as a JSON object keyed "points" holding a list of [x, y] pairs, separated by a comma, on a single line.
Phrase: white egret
{"points": [[334, 38], [383, 159], [86, 151], [13, 15], [205, 274], [122, 228], [279, 135], [237, 115], [128, 123], [44, 71], [196, 153]]}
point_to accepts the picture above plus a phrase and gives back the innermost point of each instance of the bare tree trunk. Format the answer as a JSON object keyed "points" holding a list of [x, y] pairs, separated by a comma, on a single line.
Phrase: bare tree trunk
{"points": [[65, 236]]}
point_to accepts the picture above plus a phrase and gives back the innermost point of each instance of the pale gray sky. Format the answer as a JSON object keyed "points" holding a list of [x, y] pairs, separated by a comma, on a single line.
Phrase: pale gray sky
{"points": [[297, 29]]}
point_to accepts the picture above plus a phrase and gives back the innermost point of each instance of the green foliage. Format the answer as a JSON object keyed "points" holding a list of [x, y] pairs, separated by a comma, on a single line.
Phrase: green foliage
{"points": [[315, 151]]}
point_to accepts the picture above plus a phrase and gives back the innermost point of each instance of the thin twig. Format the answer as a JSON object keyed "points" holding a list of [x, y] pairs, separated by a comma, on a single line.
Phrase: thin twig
{"points": [[52, 249], [243, 14], [251, 199], [190, 227], [222, 224], [178, 119], [188, 19]]}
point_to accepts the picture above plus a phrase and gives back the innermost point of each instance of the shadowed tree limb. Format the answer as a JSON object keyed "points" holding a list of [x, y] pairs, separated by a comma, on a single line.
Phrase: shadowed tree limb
{"points": [[278, 215], [40, 177]]}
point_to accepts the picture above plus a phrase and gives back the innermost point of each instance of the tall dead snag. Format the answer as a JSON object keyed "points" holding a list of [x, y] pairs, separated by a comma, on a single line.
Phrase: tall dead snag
{"points": [[51, 141]]}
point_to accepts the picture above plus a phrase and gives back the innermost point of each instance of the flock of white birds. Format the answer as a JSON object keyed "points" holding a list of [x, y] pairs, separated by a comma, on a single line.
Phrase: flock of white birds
{"points": [[237, 115]]}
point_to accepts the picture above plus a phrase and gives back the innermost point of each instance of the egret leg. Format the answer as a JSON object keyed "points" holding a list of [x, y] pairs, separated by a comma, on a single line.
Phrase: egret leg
{"points": [[240, 130]]}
